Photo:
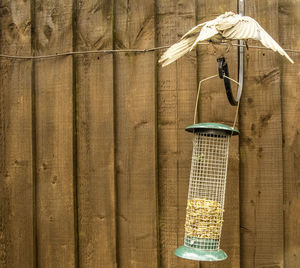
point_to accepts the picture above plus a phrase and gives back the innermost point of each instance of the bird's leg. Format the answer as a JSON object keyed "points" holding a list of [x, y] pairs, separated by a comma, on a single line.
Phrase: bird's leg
{"points": [[246, 44], [229, 46], [213, 48]]}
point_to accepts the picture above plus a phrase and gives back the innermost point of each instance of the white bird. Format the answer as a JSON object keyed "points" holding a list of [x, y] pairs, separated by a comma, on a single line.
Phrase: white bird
{"points": [[226, 27]]}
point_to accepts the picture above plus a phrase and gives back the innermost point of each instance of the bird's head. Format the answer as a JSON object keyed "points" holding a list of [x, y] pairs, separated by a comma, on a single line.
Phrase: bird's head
{"points": [[228, 14]]}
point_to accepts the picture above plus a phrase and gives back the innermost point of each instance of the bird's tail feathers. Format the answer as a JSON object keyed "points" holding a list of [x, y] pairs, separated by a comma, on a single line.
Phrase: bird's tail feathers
{"points": [[177, 50]]}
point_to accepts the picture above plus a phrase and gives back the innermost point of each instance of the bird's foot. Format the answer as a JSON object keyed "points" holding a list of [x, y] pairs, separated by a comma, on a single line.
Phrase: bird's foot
{"points": [[212, 50], [229, 46], [246, 43]]}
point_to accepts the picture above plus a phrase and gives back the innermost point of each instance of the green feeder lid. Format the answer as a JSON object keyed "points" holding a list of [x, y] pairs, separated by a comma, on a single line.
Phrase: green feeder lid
{"points": [[200, 255], [203, 127]]}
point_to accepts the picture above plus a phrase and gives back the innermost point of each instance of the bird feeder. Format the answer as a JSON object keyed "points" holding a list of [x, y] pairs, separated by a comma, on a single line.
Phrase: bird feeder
{"points": [[205, 204]]}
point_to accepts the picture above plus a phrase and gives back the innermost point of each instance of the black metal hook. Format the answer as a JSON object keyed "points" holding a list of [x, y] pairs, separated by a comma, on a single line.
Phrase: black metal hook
{"points": [[223, 70]]}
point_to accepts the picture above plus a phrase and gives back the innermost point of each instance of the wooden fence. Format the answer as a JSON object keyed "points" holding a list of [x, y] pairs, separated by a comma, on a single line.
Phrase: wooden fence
{"points": [[94, 163]]}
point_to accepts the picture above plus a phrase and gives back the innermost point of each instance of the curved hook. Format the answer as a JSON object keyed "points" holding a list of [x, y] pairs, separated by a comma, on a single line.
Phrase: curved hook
{"points": [[224, 74], [241, 8]]}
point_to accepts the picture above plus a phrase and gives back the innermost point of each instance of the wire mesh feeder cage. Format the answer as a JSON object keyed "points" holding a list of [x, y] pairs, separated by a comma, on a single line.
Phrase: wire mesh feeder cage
{"points": [[205, 204]]}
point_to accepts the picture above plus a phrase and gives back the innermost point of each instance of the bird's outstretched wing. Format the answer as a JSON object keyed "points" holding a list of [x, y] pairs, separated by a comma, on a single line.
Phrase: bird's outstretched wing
{"points": [[182, 47], [194, 30], [248, 28], [177, 50], [201, 32]]}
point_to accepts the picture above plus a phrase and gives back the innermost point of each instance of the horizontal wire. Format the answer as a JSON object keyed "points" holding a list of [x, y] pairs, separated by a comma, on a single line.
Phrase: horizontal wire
{"points": [[107, 51], [104, 51]]}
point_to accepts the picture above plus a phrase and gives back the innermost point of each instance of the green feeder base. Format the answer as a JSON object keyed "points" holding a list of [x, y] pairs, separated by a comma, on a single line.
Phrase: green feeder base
{"points": [[199, 254]]}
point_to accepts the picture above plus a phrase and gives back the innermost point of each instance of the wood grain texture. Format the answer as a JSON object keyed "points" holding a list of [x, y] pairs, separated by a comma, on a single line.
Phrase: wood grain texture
{"points": [[96, 186], [110, 128], [261, 171], [289, 37], [214, 107], [177, 85], [17, 247], [54, 123], [135, 135]]}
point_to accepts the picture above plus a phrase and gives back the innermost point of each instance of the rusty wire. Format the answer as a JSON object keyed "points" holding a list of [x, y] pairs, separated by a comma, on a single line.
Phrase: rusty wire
{"points": [[109, 51]]}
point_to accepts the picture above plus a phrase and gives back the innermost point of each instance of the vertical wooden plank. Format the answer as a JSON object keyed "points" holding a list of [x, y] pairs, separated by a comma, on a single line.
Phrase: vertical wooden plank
{"points": [[177, 84], [135, 135], [214, 107], [54, 122], [289, 36], [16, 176], [261, 150], [96, 193]]}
